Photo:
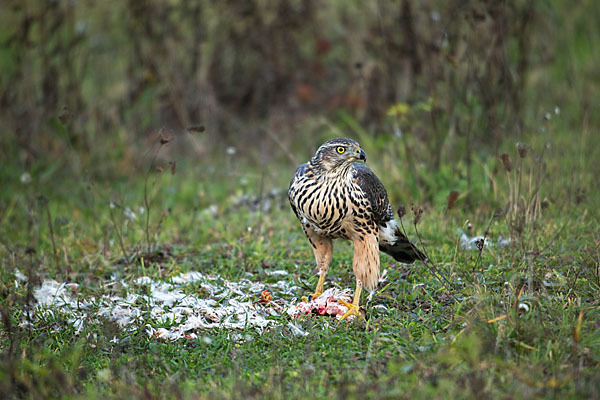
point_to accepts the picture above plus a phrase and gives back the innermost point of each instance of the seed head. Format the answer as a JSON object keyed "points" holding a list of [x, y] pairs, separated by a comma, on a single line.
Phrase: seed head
{"points": [[522, 148], [479, 243], [506, 161], [451, 201], [417, 213], [401, 211]]}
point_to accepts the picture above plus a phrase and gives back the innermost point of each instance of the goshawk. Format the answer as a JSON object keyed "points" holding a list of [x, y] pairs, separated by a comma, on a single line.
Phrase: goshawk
{"points": [[335, 196]]}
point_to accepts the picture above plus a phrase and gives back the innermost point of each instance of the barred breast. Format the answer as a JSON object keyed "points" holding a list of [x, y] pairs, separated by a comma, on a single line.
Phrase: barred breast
{"points": [[328, 204]]}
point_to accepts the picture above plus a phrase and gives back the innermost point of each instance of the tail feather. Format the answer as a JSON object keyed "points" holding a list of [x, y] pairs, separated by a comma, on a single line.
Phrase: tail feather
{"points": [[402, 249]]}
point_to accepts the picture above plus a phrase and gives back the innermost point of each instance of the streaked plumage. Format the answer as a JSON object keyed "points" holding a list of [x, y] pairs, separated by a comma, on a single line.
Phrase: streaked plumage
{"points": [[334, 197]]}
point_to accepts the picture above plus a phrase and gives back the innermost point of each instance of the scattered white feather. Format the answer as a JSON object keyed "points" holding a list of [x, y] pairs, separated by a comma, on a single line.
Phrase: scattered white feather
{"points": [[379, 307], [219, 304], [502, 241], [471, 243], [278, 272], [296, 330], [383, 277], [524, 307], [19, 275]]}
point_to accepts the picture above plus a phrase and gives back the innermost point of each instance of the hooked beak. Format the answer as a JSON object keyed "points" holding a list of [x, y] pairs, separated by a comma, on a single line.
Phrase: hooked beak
{"points": [[360, 155]]}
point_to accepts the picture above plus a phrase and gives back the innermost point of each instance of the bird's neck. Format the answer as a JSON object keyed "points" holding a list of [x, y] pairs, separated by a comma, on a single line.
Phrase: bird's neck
{"points": [[332, 172]]}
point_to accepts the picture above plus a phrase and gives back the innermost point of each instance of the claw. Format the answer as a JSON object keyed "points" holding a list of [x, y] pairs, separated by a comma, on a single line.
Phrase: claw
{"points": [[315, 295], [311, 297], [352, 310]]}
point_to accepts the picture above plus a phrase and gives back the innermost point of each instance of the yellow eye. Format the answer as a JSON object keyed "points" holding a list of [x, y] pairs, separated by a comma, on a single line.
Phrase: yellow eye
{"points": [[341, 149]]}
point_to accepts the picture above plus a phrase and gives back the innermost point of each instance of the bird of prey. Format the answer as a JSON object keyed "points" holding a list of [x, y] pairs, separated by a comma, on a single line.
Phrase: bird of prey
{"points": [[335, 195]]}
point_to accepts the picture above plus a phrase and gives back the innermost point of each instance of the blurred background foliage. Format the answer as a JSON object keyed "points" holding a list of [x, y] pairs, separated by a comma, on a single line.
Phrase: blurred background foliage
{"points": [[86, 86], [151, 137]]}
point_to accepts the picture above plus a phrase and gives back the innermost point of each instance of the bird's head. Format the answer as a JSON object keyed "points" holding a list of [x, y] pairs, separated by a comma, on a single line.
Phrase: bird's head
{"points": [[338, 153]]}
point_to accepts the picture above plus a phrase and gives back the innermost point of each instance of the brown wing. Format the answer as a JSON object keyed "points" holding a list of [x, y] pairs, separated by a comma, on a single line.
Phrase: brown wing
{"points": [[375, 192], [402, 249]]}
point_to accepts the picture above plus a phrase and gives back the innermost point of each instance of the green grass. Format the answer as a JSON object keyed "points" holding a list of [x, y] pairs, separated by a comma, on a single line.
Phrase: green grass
{"points": [[520, 322], [83, 83]]}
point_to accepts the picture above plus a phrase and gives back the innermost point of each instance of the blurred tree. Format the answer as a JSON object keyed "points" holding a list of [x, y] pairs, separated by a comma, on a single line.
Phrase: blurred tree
{"points": [[88, 77]]}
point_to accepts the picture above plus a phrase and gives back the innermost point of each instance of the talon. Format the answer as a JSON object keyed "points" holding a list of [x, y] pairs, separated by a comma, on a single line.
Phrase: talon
{"points": [[352, 310], [315, 295]]}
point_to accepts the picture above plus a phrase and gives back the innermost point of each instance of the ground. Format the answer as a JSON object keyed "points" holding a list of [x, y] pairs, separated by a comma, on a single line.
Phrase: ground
{"points": [[516, 318], [147, 249]]}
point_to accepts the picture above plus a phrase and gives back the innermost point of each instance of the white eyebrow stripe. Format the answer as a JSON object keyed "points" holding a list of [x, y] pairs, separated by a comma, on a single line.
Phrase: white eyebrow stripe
{"points": [[337, 144]]}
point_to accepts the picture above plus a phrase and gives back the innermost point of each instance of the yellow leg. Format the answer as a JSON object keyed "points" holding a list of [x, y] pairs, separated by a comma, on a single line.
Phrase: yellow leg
{"points": [[319, 290], [323, 249], [353, 309]]}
